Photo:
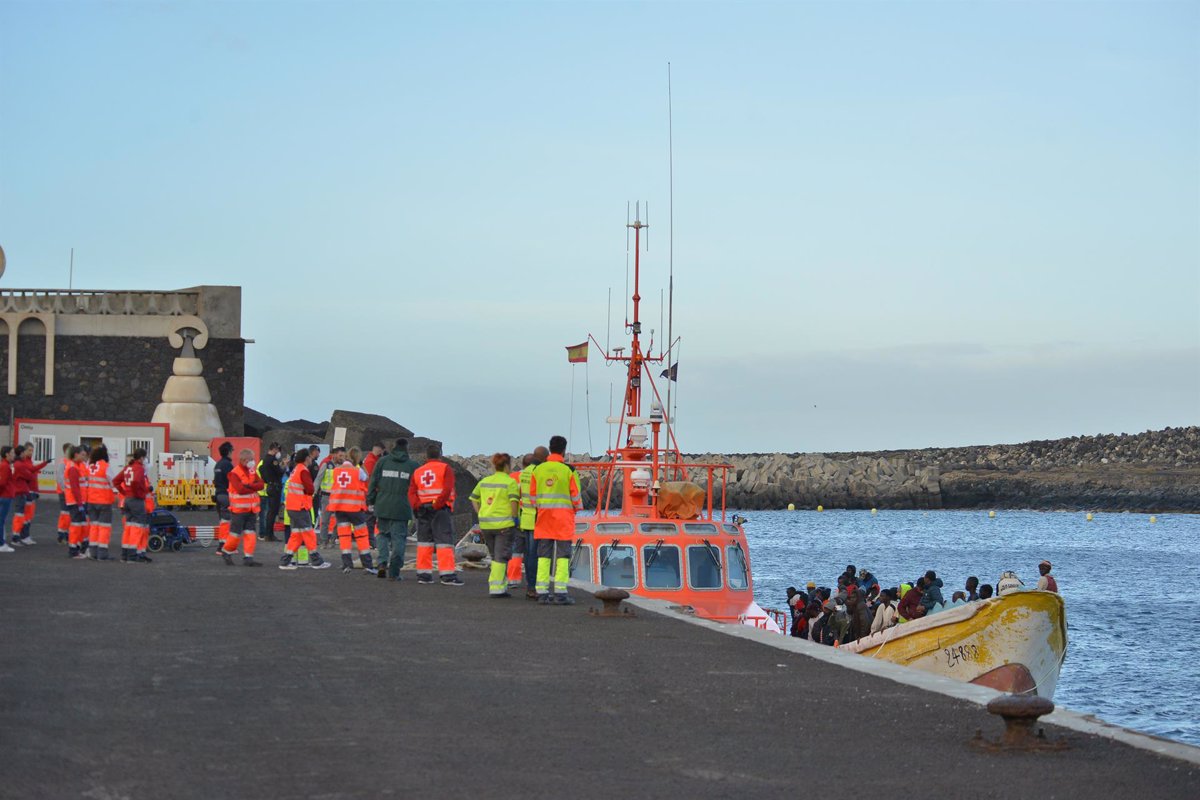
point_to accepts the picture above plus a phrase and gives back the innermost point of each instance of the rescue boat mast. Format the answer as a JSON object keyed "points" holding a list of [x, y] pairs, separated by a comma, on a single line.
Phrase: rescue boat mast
{"points": [[645, 452]]}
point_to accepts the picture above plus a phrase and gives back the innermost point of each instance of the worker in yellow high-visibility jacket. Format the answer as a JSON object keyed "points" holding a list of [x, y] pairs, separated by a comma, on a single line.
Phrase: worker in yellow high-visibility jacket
{"points": [[496, 499]]}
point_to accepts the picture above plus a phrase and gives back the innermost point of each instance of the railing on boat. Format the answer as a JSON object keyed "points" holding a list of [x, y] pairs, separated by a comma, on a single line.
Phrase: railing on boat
{"points": [[606, 480]]}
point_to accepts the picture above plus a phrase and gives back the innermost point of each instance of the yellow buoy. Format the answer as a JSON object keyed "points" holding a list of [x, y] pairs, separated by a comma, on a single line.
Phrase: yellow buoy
{"points": [[991, 515], [874, 511], [791, 506], [1089, 516], [1153, 519], [820, 508]]}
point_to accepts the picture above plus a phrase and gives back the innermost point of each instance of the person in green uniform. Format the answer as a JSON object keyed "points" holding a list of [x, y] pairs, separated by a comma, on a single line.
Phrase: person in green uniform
{"points": [[387, 495]]}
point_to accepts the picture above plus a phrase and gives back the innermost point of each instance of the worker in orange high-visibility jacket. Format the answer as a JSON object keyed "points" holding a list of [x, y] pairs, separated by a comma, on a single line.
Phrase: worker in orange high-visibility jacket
{"points": [[554, 490], [431, 495], [100, 499], [244, 506], [298, 500], [348, 502], [64, 514], [134, 488], [75, 496]]}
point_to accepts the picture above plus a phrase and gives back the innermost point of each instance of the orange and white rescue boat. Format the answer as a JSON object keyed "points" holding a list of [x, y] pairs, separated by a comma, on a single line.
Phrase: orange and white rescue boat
{"points": [[660, 527]]}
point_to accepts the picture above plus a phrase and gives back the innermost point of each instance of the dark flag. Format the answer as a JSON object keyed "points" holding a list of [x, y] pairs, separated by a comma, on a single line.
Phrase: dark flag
{"points": [[671, 374]]}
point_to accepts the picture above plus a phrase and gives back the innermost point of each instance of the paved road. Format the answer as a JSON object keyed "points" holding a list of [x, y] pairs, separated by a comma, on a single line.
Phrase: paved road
{"points": [[189, 679]]}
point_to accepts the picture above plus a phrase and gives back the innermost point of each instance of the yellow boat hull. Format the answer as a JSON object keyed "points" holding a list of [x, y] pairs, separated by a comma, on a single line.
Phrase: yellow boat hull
{"points": [[1015, 643]]}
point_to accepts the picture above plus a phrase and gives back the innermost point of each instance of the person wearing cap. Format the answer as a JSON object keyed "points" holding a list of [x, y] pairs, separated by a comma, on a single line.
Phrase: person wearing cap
{"points": [[1047, 583], [868, 584], [837, 620]]}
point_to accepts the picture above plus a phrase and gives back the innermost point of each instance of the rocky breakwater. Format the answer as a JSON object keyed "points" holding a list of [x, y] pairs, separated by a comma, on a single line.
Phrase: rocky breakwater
{"points": [[1155, 471], [773, 480]]}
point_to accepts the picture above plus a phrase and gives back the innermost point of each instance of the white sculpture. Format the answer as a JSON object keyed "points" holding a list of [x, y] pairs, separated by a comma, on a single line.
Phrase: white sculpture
{"points": [[186, 402]]}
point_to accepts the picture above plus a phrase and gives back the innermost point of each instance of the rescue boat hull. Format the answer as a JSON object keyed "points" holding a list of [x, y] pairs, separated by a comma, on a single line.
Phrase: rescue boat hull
{"points": [[1015, 643]]}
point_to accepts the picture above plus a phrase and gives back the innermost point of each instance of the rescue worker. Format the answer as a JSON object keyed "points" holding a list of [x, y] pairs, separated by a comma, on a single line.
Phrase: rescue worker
{"points": [[431, 494], [555, 493], [298, 503], [134, 486], [25, 475], [368, 464], [221, 472], [100, 499], [75, 495], [272, 474], [64, 516], [324, 479], [528, 546], [244, 506], [517, 555], [387, 496], [348, 502], [496, 500]]}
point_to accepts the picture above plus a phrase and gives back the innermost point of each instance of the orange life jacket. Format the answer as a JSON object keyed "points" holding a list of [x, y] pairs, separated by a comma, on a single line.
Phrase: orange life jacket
{"points": [[431, 478], [297, 499], [68, 492], [99, 487], [348, 492], [244, 503]]}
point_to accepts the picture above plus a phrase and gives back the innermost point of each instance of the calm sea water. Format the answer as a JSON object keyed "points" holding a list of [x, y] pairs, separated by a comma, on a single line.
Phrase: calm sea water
{"points": [[1132, 589]]}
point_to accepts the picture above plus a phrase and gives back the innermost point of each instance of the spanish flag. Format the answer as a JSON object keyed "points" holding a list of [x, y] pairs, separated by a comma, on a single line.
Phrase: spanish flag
{"points": [[577, 353]]}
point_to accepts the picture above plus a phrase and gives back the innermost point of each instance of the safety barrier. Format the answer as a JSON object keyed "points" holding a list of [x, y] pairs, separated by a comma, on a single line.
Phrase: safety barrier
{"points": [[176, 493], [203, 534]]}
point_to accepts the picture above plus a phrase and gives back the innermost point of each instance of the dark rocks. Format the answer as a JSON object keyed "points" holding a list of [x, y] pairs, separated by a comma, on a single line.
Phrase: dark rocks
{"points": [[363, 430]]}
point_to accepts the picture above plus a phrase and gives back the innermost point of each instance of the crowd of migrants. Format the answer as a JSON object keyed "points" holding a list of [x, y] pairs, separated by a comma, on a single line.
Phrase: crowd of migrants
{"points": [[860, 607], [347, 500]]}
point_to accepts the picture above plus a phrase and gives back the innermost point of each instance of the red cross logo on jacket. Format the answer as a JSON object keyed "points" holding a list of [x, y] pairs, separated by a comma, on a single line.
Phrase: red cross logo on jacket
{"points": [[427, 479], [343, 479]]}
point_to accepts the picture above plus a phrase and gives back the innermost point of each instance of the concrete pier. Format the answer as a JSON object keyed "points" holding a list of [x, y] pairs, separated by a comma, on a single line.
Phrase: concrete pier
{"points": [[187, 678]]}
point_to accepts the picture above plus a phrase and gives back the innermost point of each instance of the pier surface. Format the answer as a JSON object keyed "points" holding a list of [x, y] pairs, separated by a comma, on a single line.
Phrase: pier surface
{"points": [[186, 678]]}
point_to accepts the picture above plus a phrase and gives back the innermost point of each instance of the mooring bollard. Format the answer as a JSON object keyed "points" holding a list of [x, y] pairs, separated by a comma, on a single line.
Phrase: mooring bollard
{"points": [[612, 603], [1020, 714]]}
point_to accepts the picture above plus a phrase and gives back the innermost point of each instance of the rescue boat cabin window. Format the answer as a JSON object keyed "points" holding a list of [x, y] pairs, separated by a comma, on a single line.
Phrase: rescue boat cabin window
{"points": [[660, 565], [699, 527], [738, 575], [582, 527], [581, 562], [732, 530], [658, 529], [704, 566], [609, 528], [618, 566]]}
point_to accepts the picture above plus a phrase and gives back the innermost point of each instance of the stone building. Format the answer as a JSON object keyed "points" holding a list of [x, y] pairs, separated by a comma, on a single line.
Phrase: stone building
{"points": [[108, 355]]}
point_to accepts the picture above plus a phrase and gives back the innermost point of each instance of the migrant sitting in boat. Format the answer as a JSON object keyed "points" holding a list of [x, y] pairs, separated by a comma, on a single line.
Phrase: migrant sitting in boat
{"points": [[860, 608]]}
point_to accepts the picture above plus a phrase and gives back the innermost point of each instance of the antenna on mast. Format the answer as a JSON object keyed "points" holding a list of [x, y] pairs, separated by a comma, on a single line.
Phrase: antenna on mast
{"points": [[670, 254], [626, 263]]}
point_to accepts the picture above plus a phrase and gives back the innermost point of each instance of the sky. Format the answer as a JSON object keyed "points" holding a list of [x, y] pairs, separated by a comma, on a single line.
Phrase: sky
{"points": [[895, 224]]}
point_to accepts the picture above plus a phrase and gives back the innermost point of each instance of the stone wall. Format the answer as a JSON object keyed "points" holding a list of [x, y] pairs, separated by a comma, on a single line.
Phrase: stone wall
{"points": [[116, 378]]}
